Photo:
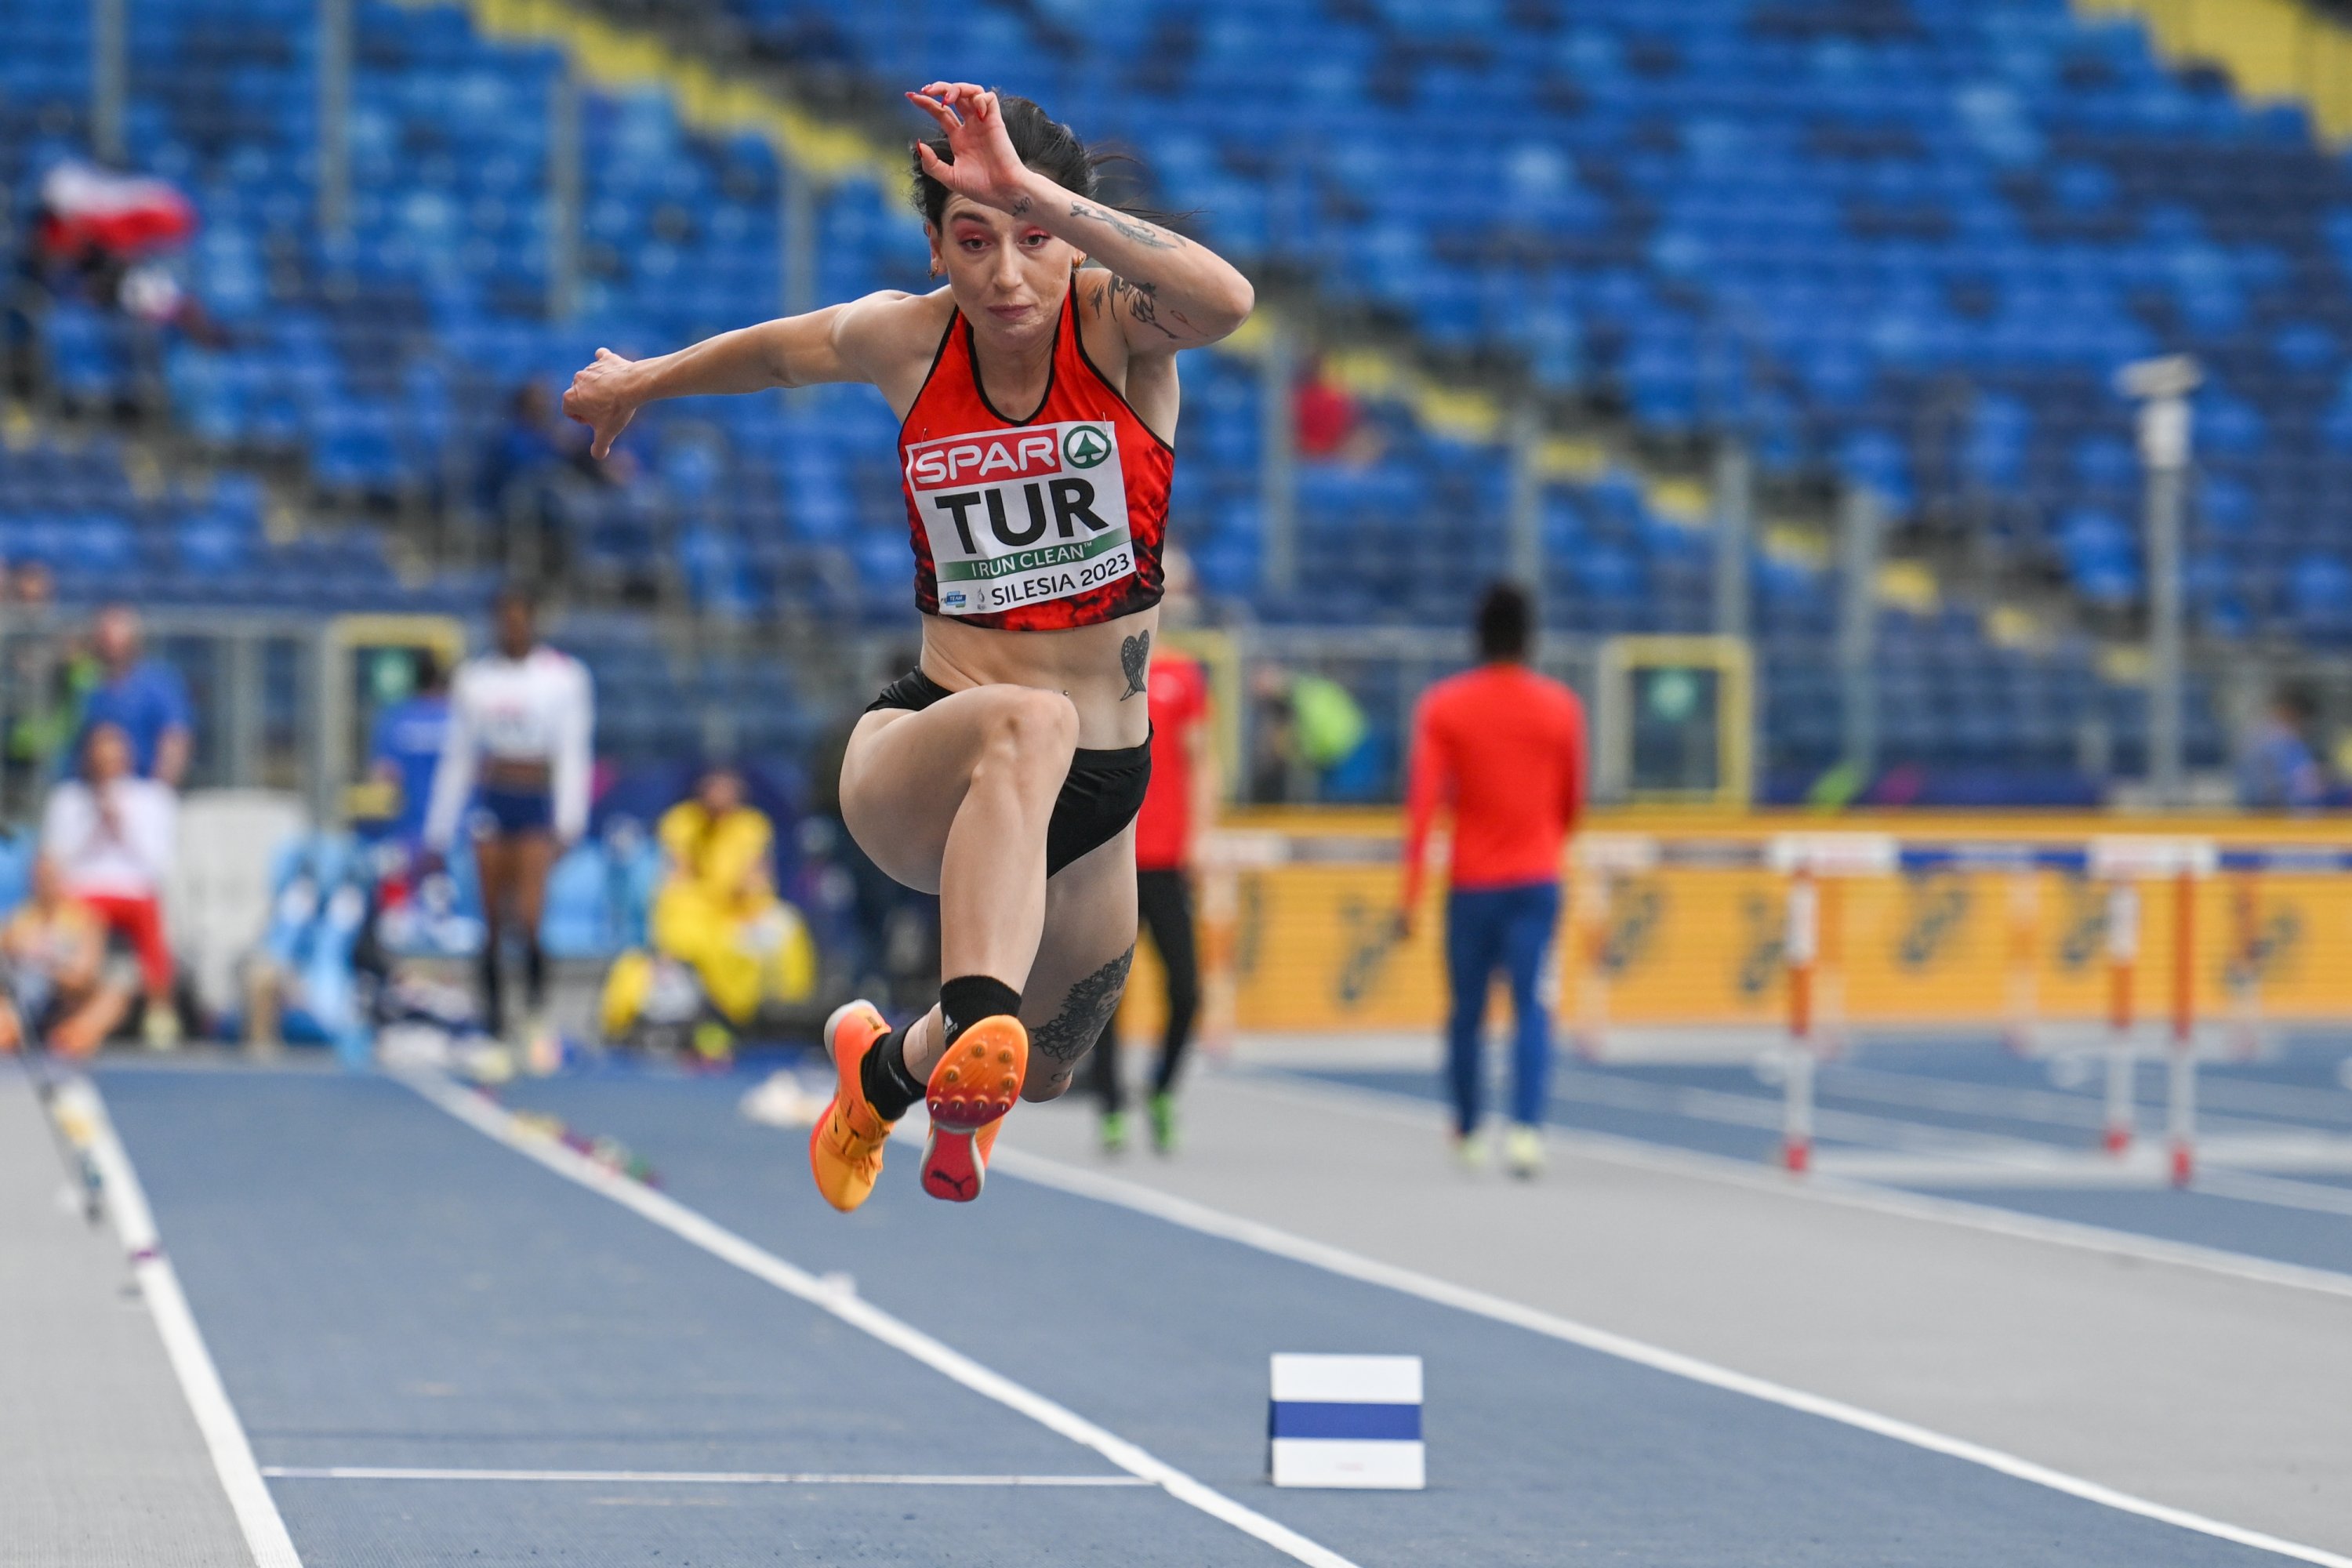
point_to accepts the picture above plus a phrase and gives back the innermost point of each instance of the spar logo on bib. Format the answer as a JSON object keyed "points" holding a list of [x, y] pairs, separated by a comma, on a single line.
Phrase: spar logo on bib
{"points": [[1020, 516]]}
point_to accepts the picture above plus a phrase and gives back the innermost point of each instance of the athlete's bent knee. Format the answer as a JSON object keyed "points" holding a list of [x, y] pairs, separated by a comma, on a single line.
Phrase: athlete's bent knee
{"points": [[1031, 731]]}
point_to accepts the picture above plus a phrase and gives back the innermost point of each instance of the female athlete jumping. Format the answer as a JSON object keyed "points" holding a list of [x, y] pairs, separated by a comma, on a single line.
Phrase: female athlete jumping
{"points": [[1037, 400]]}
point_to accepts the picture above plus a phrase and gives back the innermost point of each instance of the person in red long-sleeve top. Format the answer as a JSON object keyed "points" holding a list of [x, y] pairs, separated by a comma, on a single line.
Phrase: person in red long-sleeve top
{"points": [[1505, 748]]}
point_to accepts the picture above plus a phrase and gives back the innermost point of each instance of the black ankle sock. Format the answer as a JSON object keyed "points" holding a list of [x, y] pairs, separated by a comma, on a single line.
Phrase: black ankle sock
{"points": [[968, 998], [494, 1010], [890, 1088]]}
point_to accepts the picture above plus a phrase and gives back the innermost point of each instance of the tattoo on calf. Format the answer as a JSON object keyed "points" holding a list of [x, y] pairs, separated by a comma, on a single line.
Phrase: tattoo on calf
{"points": [[1135, 663], [1088, 1007]]}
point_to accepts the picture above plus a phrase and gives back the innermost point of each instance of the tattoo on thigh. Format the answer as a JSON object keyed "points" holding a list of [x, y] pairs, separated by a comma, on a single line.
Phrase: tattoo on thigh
{"points": [[1069, 1034]]}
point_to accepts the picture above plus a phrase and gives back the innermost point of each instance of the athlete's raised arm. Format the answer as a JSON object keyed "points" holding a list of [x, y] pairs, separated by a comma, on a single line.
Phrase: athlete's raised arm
{"points": [[839, 342], [1167, 292]]}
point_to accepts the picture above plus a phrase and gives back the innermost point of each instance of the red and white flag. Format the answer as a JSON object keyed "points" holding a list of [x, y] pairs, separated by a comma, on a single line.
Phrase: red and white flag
{"points": [[127, 215]]}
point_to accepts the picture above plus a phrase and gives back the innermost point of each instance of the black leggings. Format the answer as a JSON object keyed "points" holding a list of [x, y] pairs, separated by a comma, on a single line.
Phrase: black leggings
{"points": [[1164, 900]]}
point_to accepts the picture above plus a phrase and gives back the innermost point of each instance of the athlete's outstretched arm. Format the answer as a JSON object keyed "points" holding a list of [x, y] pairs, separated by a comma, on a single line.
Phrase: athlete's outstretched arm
{"points": [[1176, 294], [793, 350]]}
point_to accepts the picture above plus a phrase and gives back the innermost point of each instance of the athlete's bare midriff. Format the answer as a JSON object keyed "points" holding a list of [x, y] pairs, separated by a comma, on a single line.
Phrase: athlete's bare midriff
{"points": [[1103, 668]]}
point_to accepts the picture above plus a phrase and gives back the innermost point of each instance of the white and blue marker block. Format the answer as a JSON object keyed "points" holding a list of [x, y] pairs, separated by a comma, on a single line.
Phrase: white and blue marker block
{"points": [[1346, 1421]]}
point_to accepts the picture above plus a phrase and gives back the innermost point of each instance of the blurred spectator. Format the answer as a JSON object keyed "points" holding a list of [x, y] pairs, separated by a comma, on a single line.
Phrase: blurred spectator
{"points": [[114, 836], [143, 697], [1307, 726], [32, 585], [1178, 809], [58, 992], [2277, 771], [63, 671], [719, 911], [528, 462], [1330, 426], [405, 746], [106, 238]]}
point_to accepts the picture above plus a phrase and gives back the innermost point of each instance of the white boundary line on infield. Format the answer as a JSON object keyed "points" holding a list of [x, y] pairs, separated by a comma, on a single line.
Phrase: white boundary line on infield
{"points": [[700, 1230], [1337, 1260], [183, 1342], [1279, 1084], [683, 1478]]}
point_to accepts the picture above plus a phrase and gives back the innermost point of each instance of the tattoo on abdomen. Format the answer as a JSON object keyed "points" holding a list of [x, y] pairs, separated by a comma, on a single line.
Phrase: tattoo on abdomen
{"points": [[1071, 1033], [1135, 663]]}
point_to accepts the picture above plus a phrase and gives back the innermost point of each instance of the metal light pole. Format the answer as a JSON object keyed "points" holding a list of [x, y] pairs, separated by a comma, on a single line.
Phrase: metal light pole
{"points": [[1734, 524], [1277, 463], [334, 115], [796, 224], [563, 163], [2162, 388], [110, 78], [1526, 514], [1859, 524], [796, 219]]}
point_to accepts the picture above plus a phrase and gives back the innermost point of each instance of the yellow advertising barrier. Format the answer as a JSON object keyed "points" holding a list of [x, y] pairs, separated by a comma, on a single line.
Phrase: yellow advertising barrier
{"points": [[1300, 930]]}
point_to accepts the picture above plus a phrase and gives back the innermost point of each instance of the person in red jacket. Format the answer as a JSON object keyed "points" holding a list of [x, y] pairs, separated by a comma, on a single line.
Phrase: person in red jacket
{"points": [[1505, 748], [1177, 808]]}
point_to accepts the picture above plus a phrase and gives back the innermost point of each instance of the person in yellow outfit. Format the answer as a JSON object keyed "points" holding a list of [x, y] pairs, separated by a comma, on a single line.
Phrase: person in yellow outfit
{"points": [[718, 909]]}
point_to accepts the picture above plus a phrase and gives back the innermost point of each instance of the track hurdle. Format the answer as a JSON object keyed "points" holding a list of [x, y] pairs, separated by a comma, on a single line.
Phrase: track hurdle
{"points": [[2024, 934], [1808, 860], [1803, 945], [2122, 960], [2181, 1085], [1602, 860], [2125, 863]]}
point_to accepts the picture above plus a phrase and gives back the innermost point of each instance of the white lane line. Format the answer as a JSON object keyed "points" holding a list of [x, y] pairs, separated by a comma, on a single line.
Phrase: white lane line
{"points": [[683, 1478], [693, 1227], [2249, 1187], [1353, 1265], [1827, 1189], [83, 1112]]}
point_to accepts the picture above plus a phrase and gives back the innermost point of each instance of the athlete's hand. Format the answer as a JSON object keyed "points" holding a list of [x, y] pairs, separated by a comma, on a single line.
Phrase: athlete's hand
{"points": [[985, 169], [599, 398]]}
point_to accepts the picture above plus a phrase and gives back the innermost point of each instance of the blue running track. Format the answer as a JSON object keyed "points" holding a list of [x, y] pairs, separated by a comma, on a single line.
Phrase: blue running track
{"points": [[382, 1286]]}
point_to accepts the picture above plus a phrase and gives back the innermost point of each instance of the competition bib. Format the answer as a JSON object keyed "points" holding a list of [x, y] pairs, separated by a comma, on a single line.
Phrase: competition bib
{"points": [[1020, 516]]}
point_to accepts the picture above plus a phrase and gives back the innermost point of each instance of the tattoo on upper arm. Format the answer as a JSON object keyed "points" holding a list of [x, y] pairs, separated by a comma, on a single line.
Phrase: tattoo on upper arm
{"points": [[1142, 302], [1130, 229], [1135, 662], [1070, 1033]]}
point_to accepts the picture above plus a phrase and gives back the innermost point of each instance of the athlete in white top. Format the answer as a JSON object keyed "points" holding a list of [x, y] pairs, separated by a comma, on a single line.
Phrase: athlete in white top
{"points": [[521, 720]]}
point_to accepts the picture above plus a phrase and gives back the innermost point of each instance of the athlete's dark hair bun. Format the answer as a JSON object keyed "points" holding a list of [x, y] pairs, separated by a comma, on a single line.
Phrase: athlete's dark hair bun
{"points": [[1040, 141]]}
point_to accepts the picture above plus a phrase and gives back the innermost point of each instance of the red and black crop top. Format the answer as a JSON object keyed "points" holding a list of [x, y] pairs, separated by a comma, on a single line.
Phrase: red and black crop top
{"points": [[1033, 524]]}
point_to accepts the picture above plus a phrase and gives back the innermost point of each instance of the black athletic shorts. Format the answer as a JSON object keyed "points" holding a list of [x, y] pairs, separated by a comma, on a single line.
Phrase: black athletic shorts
{"points": [[1101, 794]]}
